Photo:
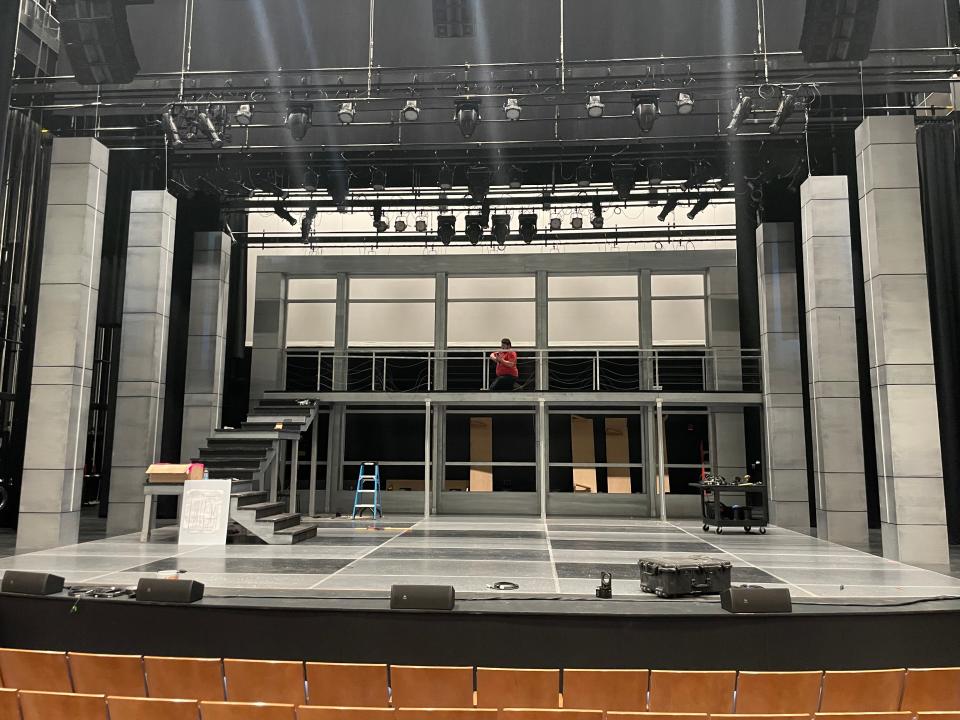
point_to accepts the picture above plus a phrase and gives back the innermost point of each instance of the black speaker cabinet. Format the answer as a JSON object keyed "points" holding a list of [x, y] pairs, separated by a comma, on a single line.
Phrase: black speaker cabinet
{"points": [[31, 583], [169, 591], [756, 600], [838, 30], [422, 597], [97, 38]]}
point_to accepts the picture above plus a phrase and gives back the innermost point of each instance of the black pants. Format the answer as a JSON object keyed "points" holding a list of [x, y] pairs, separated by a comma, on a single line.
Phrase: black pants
{"points": [[503, 383]]}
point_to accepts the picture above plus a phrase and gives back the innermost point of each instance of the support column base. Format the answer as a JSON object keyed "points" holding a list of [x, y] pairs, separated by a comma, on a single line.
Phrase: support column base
{"points": [[842, 527], [45, 530], [124, 517], [916, 544], [793, 515]]}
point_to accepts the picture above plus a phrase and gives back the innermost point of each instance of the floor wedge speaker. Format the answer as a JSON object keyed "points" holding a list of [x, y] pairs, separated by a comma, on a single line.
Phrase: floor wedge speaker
{"points": [[756, 600], [422, 597], [31, 583], [169, 591]]}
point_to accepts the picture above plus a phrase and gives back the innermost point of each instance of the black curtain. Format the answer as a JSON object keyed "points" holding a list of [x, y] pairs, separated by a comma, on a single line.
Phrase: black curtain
{"points": [[9, 22], [938, 147]]}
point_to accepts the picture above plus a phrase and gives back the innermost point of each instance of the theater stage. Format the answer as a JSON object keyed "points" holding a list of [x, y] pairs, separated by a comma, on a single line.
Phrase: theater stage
{"points": [[327, 598]]}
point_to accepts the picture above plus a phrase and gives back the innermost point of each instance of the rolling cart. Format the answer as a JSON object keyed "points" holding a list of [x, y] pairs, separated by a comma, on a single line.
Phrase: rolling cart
{"points": [[750, 511]]}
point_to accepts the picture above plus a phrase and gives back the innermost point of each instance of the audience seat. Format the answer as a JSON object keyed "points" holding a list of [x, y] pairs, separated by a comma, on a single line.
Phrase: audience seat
{"points": [[925, 690], [120, 675], [315, 712], [36, 705], [900, 715], [763, 716], [692, 692], [35, 670], [624, 690], [778, 693], [656, 716], [514, 688], [861, 691], [246, 711], [446, 714], [549, 714], [135, 708], [347, 685], [266, 681], [9, 705], [938, 715], [422, 686], [191, 678]]}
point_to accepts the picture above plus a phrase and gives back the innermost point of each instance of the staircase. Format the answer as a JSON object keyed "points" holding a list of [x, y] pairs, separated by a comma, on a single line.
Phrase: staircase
{"points": [[249, 455]]}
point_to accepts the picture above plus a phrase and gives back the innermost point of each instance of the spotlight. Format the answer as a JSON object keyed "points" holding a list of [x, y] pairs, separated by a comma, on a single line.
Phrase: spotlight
{"points": [[787, 104], [668, 208], [299, 119], [584, 174], [378, 179], [411, 111], [556, 223], [528, 227], [400, 225], [576, 222], [594, 107], [474, 228], [170, 130], [467, 117], [646, 108], [347, 112], [605, 589], [445, 180], [311, 182], [700, 172], [244, 114], [624, 177], [446, 228], [740, 114], [284, 214], [685, 103], [378, 220], [597, 220], [699, 207], [511, 109], [478, 182], [338, 185], [516, 178], [306, 227], [420, 225], [501, 228], [655, 173]]}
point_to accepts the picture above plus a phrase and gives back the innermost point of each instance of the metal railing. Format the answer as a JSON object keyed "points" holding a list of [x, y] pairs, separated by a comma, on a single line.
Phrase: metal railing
{"points": [[399, 371], [38, 19]]}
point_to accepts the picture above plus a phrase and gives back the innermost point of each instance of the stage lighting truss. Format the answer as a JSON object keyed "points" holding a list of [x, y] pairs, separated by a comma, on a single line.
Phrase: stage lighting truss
{"points": [[512, 109], [184, 123]]}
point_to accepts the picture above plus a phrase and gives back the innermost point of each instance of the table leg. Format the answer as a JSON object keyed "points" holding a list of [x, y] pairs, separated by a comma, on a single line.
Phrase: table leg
{"points": [[147, 525]]}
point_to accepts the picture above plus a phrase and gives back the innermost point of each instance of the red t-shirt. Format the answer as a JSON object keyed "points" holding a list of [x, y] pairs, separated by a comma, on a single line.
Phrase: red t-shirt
{"points": [[509, 356]]}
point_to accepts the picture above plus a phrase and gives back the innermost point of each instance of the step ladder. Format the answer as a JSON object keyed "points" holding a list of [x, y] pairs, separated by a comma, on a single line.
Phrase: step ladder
{"points": [[367, 496]]}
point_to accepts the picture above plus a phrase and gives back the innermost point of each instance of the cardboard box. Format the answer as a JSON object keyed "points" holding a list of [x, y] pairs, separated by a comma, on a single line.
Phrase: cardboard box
{"points": [[172, 473]]}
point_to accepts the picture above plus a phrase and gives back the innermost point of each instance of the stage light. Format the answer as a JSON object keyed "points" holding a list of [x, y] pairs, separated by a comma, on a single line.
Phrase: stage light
{"points": [[411, 111], [655, 173], [306, 227], [699, 207], [646, 108], [474, 228], [594, 107], [284, 214], [379, 222], [685, 103], [605, 589], [597, 219], [700, 172], [170, 130], [338, 185], [556, 223], [740, 114], [467, 117], [400, 225], [299, 119], [624, 178], [445, 178], [501, 228], [446, 228], [511, 109], [528, 227], [668, 208], [584, 174], [516, 178], [378, 179], [244, 114], [347, 112], [311, 182], [420, 225], [576, 222], [787, 104], [478, 182]]}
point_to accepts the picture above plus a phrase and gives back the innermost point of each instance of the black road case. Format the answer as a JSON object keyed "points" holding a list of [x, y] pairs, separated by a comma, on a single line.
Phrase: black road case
{"points": [[688, 576]]}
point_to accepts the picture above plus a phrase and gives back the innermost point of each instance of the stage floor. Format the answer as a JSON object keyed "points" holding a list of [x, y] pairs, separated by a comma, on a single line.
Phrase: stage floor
{"points": [[545, 558]]}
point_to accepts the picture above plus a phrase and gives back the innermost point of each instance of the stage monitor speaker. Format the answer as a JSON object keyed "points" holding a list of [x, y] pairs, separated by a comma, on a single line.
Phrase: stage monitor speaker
{"points": [[169, 591], [838, 30], [422, 597], [97, 39], [31, 583], [756, 600]]}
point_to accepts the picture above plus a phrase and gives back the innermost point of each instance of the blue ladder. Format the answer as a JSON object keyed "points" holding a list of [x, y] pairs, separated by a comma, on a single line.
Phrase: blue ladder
{"points": [[368, 485]]}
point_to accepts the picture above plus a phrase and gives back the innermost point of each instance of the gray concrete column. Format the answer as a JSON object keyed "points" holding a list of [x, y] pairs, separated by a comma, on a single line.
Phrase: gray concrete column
{"points": [[440, 336], [541, 330], [724, 370], [341, 329], [647, 375], [138, 420], [268, 362], [909, 465], [56, 440], [206, 344], [785, 466], [836, 429]]}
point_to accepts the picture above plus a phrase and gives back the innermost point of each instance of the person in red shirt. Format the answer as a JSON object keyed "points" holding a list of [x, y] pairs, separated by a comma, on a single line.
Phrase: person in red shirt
{"points": [[507, 373]]}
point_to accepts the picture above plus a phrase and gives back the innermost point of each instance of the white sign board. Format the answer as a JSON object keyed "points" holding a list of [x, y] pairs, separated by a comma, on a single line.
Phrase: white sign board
{"points": [[205, 512]]}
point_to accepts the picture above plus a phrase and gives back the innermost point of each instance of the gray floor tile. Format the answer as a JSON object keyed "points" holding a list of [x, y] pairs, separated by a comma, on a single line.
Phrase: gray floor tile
{"points": [[482, 568], [471, 553], [527, 585], [640, 546], [246, 565]]}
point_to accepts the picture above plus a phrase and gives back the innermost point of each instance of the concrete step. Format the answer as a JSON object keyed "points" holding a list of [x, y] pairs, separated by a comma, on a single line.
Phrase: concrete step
{"points": [[225, 441], [249, 497], [232, 462], [263, 510], [215, 453], [282, 521], [295, 534], [223, 473]]}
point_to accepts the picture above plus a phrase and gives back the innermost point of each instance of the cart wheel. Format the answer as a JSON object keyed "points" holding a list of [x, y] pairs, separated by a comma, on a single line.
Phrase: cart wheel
{"points": [[706, 528], [719, 531], [763, 531], [747, 528]]}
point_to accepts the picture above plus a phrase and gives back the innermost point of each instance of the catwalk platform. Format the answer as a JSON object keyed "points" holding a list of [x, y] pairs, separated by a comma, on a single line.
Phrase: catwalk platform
{"points": [[328, 598]]}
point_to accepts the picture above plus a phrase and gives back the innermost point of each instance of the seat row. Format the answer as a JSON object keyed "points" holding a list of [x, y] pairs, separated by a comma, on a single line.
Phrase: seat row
{"points": [[405, 686], [34, 705]]}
